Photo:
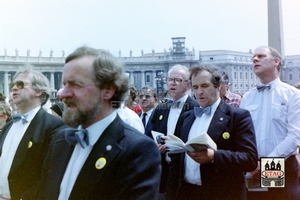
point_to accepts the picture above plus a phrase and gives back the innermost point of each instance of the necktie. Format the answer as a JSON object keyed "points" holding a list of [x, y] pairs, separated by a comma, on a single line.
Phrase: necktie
{"points": [[18, 117], [74, 135], [263, 87], [144, 119], [199, 111]]}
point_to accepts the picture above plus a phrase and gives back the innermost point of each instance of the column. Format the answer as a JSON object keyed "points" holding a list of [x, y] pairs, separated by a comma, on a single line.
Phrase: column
{"points": [[52, 80], [143, 78], [6, 86], [131, 75], [153, 80], [275, 30]]}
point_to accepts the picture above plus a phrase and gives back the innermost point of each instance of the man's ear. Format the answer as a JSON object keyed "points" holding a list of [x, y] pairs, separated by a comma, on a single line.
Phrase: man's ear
{"points": [[219, 86], [277, 62], [109, 92], [38, 93]]}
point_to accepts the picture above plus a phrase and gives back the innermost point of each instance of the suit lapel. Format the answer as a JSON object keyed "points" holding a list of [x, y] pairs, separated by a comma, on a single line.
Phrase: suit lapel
{"points": [[33, 128], [219, 121], [105, 149], [61, 152], [148, 126], [187, 124]]}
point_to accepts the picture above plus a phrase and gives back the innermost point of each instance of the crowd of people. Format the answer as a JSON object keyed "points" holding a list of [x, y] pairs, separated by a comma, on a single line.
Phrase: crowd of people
{"points": [[97, 141]]}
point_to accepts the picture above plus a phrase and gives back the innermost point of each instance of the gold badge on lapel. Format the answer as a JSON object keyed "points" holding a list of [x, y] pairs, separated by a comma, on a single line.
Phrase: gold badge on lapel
{"points": [[100, 163], [160, 117], [29, 144], [226, 135]]}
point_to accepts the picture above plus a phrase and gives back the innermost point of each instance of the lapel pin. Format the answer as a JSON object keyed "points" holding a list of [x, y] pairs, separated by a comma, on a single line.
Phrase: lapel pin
{"points": [[226, 135], [29, 144], [160, 117], [100, 163], [108, 147], [221, 119]]}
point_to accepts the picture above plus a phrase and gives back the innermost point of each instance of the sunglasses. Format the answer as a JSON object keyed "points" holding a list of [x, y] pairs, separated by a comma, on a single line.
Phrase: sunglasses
{"points": [[19, 84], [147, 96]]}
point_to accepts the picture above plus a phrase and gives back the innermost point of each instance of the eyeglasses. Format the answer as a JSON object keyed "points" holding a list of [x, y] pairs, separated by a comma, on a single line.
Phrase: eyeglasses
{"points": [[175, 80], [19, 84], [147, 96]]}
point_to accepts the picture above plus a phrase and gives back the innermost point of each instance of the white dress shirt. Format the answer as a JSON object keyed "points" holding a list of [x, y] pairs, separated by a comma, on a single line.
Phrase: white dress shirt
{"points": [[174, 115], [80, 155], [200, 125], [131, 118], [276, 117], [149, 113], [9, 148]]}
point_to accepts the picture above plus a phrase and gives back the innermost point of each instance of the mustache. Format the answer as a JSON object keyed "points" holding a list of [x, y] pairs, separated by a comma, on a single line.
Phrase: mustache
{"points": [[69, 101]]}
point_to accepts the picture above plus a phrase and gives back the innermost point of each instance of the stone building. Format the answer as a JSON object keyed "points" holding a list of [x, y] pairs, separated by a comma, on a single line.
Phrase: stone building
{"points": [[151, 68]]}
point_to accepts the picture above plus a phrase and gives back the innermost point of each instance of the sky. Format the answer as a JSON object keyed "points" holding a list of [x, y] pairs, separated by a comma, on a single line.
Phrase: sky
{"points": [[133, 25]]}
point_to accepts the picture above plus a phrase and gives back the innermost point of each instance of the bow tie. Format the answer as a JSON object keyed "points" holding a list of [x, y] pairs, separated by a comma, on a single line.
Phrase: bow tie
{"points": [[18, 117], [199, 111], [175, 104], [263, 87], [74, 135]]}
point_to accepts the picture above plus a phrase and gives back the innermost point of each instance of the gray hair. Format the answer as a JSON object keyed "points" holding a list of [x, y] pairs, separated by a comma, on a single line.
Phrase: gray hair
{"points": [[38, 80]]}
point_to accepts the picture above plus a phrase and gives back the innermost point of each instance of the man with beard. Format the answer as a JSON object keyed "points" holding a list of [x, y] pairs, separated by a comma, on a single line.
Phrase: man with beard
{"points": [[25, 139], [104, 158]]}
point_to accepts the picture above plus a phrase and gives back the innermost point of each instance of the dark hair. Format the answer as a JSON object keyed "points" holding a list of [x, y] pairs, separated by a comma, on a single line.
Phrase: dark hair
{"points": [[107, 71], [147, 87], [214, 71], [225, 78], [2, 97], [5, 109]]}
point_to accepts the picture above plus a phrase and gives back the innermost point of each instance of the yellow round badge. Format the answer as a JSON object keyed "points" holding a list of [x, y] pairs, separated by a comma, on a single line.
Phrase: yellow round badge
{"points": [[29, 144], [100, 163], [160, 117], [226, 135]]}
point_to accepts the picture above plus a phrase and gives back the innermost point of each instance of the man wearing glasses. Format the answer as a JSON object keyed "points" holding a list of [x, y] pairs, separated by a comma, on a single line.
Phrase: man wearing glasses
{"points": [[147, 99], [165, 115], [25, 139]]}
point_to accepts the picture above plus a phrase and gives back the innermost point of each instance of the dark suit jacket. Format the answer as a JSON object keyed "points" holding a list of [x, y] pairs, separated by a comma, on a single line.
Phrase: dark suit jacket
{"points": [[148, 127], [224, 178], [26, 167], [159, 123], [131, 171]]}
